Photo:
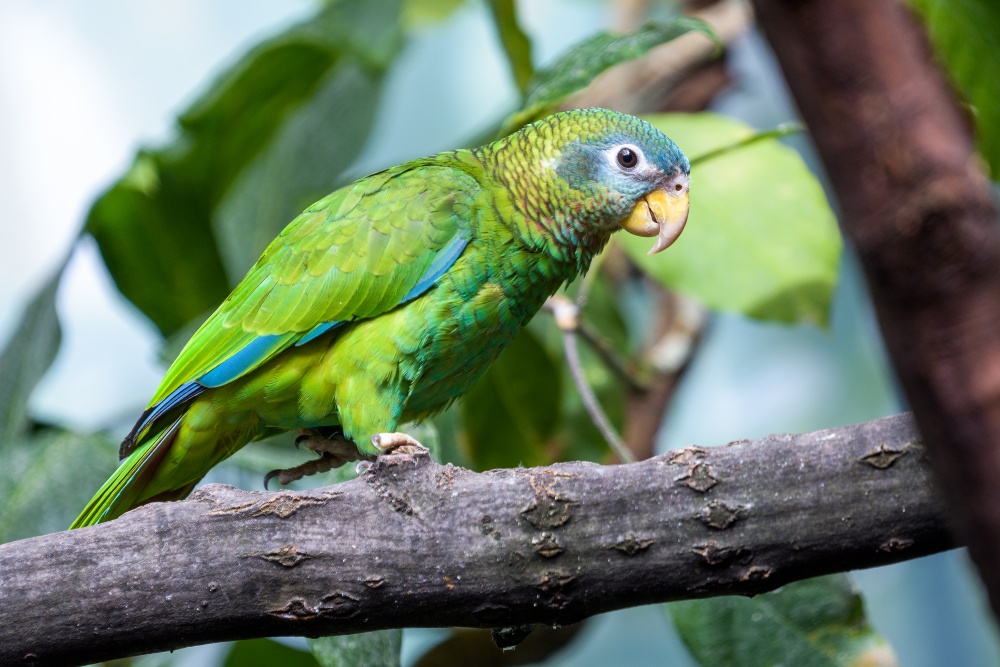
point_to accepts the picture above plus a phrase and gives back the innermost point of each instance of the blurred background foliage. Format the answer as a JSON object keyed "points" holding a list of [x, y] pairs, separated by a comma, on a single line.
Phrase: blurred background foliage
{"points": [[136, 192]]}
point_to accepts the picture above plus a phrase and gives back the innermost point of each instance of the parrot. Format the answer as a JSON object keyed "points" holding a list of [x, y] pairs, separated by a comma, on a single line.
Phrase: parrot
{"points": [[384, 302]]}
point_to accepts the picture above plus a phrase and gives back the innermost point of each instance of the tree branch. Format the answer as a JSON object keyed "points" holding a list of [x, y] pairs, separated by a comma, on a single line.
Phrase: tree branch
{"points": [[900, 156], [413, 543]]}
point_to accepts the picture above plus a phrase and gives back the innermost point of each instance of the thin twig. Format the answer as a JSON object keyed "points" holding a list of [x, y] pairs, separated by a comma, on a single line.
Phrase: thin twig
{"points": [[611, 359], [783, 130], [567, 317]]}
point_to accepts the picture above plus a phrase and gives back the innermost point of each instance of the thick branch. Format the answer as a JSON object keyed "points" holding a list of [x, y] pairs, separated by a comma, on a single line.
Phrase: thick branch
{"points": [[412, 543], [899, 153]]}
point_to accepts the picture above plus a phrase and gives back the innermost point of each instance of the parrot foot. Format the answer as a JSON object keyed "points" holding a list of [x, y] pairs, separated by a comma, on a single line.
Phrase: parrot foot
{"points": [[288, 475], [337, 446], [333, 452], [391, 444]]}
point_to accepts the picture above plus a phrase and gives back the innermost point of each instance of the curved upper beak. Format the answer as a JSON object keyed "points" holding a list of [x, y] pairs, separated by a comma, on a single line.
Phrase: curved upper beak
{"points": [[662, 213]]}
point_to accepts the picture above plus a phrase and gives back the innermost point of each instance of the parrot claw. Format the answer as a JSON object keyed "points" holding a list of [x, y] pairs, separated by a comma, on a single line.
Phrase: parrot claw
{"points": [[390, 444], [333, 452], [286, 476]]}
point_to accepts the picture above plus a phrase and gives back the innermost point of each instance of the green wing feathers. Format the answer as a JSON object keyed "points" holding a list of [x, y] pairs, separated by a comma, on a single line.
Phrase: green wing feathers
{"points": [[353, 255]]}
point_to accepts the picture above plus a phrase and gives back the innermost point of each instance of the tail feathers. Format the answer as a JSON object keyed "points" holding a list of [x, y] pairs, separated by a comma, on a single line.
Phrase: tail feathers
{"points": [[121, 492]]}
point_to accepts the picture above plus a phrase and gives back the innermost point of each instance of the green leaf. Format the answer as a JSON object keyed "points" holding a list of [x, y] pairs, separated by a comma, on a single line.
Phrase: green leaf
{"points": [[301, 165], [154, 235], [760, 240], [371, 648], [510, 414], [814, 623], [472, 646], [965, 37], [26, 357], [267, 653], [154, 226], [46, 480], [576, 68], [516, 44]]}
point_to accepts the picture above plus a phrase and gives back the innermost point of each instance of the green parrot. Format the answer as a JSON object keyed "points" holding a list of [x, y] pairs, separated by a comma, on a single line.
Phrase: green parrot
{"points": [[385, 301]]}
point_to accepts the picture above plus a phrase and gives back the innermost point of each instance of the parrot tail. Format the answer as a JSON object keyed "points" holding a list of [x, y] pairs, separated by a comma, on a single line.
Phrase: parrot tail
{"points": [[120, 493]]}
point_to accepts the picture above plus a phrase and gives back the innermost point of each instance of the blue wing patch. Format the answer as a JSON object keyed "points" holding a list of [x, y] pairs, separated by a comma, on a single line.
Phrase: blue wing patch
{"points": [[442, 262], [250, 356], [183, 394], [319, 330]]}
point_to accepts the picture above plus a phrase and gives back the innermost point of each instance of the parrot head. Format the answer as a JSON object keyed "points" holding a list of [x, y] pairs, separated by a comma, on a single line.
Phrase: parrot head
{"points": [[592, 171]]}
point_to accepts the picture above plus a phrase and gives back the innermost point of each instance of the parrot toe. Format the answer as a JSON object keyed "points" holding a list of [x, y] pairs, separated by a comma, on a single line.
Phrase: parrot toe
{"points": [[334, 451], [390, 444], [288, 475]]}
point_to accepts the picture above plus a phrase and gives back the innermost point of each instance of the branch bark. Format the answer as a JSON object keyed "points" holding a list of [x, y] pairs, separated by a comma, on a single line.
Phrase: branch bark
{"points": [[899, 153], [413, 543]]}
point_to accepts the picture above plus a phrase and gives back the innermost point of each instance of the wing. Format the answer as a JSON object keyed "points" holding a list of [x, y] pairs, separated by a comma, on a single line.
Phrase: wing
{"points": [[360, 252]]}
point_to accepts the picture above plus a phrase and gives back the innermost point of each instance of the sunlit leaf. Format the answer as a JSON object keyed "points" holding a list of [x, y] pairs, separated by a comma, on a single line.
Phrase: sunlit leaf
{"points": [[760, 240], [965, 36], [510, 414], [420, 12], [814, 623], [154, 226], [576, 68], [370, 648], [26, 357]]}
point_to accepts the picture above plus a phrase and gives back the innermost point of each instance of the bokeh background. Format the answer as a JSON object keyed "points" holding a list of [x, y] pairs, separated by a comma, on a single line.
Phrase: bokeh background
{"points": [[84, 85]]}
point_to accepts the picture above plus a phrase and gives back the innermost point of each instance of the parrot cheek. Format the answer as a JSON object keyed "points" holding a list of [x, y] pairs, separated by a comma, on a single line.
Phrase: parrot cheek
{"points": [[661, 214], [640, 222]]}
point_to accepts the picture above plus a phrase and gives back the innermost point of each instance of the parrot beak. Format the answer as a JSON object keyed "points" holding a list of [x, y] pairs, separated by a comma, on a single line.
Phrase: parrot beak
{"points": [[662, 214]]}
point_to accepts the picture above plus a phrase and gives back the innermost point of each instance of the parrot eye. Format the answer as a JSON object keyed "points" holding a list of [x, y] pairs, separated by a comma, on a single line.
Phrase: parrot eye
{"points": [[628, 158]]}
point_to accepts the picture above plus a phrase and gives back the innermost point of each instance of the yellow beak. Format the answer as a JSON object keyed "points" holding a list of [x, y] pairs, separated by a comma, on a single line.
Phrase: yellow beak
{"points": [[661, 214]]}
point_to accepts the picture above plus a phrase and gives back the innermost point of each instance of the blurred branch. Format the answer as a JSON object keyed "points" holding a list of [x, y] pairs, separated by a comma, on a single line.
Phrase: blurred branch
{"points": [[507, 547], [683, 74], [678, 335], [515, 43], [898, 149]]}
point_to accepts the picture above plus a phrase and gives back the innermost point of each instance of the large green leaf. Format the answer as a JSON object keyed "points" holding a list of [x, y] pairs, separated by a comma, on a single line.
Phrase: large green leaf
{"points": [[267, 653], [814, 623], [154, 226], [582, 63], [308, 156], [510, 414], [761, 239], [965, 36], [46, 480], [26, 357], [371, 648]]}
